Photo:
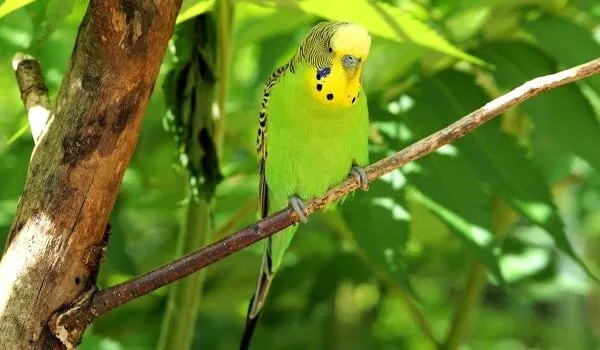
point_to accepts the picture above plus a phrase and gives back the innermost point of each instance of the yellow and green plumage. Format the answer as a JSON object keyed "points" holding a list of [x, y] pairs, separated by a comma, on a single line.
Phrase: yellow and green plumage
{"points": [[313, 128]]}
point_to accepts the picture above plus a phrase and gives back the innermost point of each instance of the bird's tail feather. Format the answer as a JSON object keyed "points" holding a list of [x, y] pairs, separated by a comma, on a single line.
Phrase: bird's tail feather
{"points": [[258, 298]]}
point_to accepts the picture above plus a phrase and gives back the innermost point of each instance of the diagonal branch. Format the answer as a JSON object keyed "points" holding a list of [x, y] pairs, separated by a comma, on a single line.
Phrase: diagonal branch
{"points": [[77, 318]]}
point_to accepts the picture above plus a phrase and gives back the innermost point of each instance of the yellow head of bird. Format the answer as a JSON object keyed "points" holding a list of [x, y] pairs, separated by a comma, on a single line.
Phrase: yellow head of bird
{"points": [[350, 45], [336, 52]]}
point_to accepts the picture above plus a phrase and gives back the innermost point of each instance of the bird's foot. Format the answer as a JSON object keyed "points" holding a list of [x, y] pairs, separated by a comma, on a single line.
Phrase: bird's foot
{"points": [[361, 177], [299, 208]]}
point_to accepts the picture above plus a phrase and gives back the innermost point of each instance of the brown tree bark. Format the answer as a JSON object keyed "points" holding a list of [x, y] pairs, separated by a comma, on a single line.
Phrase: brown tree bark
{"points": [[59, 229]]}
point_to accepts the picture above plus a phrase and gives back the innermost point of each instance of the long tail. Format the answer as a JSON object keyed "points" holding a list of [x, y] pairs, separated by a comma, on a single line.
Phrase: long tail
{"points": [[258, 298]]}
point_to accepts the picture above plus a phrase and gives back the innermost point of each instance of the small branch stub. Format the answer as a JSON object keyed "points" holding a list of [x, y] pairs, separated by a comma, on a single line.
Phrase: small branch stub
{"points": [[105, 300], [68, 329], [34, 92]]}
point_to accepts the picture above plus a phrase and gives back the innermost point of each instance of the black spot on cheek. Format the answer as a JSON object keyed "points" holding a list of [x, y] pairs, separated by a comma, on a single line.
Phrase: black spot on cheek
{"points": [[353, 99], [319, 87], [330, 97]]}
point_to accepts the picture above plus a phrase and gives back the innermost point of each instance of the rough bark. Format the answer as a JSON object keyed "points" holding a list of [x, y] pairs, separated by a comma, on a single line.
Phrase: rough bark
{"points": [[59, 229]]}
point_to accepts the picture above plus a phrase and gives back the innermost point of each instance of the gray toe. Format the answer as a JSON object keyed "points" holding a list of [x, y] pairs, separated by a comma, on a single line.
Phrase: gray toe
{"points": [[299, 208], [361, 176]]}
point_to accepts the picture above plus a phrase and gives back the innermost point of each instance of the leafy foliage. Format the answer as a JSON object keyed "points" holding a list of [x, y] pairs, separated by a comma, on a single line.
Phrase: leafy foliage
{"points": [[8, 6], [520, 195], [189, 90]]}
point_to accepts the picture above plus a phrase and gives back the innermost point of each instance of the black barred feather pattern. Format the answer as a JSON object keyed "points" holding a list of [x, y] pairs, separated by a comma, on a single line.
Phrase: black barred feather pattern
{"points": [[266, 274], [261, 148], [261, 138], [315, 49]]}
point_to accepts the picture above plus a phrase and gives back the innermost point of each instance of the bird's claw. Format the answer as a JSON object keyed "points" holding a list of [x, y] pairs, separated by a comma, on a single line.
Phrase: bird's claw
{"points": [[299, 208], [361, 177]]}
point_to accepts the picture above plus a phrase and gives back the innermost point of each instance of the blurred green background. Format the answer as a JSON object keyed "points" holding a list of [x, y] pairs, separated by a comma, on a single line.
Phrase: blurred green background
{"points": [[486, 244]]}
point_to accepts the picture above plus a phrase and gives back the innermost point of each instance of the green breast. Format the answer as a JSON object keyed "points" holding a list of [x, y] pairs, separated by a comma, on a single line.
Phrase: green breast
{"points": [[311, 145]]}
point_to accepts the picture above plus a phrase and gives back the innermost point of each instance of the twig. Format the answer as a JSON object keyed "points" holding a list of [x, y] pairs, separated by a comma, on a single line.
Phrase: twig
{"points": [[469, 302], [466, 307], [224, 13], [34, 92], [105, 300]]}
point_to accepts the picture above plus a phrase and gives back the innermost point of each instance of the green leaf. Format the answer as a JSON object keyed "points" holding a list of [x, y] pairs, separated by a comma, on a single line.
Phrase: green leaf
{"points": [[9, 6], [14, 137], [442, 185], [500, 161], [382, 238], [568, 43], [335, 270], [193, 8], [189, 91], [591, 7], [445, 178], [495, 158], [385, 21], [405, 56], [97, 342], [256, 23], [47, 16], [564, 121]]}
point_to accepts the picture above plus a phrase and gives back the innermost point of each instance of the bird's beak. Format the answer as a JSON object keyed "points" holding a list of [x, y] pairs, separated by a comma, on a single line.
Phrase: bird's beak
{"points": [[350, 64]]}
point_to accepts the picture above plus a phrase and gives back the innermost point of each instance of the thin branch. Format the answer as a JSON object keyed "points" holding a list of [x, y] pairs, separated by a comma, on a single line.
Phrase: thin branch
{"points": [[503, 217], [224, 13], [34, 92], [466, 307], [76, 319]]}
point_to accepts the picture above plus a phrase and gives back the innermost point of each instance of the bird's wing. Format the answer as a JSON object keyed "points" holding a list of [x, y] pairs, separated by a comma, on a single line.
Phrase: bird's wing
{"points": [[266, 271], [261, 138]]}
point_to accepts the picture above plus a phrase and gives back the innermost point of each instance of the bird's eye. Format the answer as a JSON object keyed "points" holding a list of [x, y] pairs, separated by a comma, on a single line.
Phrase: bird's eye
{"points": [[330, 49]]}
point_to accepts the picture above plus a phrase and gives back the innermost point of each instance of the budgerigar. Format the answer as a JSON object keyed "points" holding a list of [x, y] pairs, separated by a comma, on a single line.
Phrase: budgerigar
{"points": [[313, 132]]}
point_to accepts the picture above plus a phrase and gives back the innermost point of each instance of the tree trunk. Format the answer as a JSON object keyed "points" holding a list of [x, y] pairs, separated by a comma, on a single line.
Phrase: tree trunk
{"points": [[59, 229]]}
